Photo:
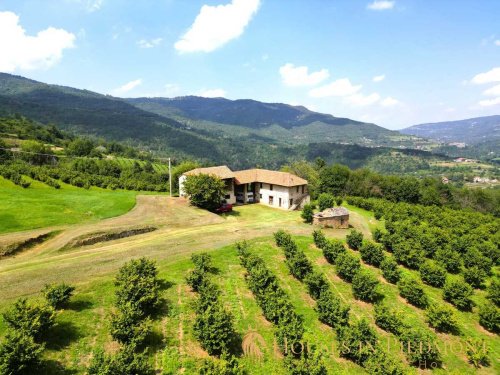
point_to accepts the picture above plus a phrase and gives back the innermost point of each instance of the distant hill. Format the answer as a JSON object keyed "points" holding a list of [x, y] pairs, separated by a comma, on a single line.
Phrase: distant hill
{"points": [[239, 133], [471, 131], [277, 121]]}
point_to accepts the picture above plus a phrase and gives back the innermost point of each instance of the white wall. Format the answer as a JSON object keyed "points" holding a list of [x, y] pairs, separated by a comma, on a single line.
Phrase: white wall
{"points": [[283, 192]]}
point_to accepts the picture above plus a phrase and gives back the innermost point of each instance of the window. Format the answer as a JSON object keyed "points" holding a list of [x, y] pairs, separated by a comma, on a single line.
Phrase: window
{"points": [[260, 196], [271, 200], [227, 196], [261, 185], [297, 189], [303, 187], [291, 202], [279, 205], [271, 187]]}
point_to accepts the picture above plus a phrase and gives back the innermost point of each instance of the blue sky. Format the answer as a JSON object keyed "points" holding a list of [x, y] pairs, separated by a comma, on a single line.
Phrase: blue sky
{"points": [[394, 63]]}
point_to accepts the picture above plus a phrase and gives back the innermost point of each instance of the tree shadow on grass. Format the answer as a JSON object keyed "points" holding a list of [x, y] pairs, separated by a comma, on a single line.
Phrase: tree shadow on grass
{"points": [[79, 305], [62, 334], [51, 367], [165, 284]]}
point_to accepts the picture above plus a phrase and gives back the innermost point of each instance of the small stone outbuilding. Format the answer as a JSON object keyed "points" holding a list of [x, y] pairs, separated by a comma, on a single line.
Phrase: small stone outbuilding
{"points": [[335, 217]]}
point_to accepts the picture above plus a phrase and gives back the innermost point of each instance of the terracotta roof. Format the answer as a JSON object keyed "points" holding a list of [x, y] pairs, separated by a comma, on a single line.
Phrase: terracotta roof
{"points": [[221, 171], [268, 177], [332, 212]]}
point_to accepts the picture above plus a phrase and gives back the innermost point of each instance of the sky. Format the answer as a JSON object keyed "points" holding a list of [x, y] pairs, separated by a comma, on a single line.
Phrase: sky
{"points": [[395, 63]]}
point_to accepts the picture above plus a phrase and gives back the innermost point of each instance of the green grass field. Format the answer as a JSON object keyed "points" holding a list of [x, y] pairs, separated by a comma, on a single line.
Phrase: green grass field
{"points": [[84, 326], [42, 206]]}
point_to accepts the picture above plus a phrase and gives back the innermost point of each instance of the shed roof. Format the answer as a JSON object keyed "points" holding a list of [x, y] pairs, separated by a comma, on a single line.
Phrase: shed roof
{"points": [[333, 212], [221, 171], [268, 177]]}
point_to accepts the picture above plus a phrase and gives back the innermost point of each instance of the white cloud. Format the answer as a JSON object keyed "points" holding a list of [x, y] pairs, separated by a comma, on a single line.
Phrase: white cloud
{"points": [[494, 91], [127, 87], [21, 51], [389, 102], [489, 102], [381, 5], [497, 42], [488, 77], [340, 87], [379, 78], [300, 76], [265, 57], [143, 43], [213, 93], [216, 25], [360, 100], [94, 5]]}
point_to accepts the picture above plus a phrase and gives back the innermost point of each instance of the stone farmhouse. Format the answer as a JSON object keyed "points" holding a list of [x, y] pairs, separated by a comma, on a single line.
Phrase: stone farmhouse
{"points": [[271, 188], [335, 217]]}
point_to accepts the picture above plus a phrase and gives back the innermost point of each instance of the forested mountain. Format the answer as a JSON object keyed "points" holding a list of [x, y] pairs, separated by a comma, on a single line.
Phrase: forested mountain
{"points": [[277, 121], [470, 131], [240, 133]]}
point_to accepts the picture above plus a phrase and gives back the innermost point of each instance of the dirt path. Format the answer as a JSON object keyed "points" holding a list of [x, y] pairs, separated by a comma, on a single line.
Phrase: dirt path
{"points": [[182, 230]]}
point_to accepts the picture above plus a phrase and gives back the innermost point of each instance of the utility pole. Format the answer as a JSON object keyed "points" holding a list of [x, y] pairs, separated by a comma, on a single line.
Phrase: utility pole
{"points": [[170, 176]]}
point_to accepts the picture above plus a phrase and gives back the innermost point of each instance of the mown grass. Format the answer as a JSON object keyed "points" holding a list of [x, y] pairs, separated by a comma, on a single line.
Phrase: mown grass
{"points": [[42, 206]]}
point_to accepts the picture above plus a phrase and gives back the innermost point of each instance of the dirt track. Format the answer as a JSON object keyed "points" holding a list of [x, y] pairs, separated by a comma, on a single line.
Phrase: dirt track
{"points": [[182, 230]]}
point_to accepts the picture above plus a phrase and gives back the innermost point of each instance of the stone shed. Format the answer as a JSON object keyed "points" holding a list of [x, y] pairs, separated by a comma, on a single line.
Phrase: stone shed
{"points": [[335, 217]]}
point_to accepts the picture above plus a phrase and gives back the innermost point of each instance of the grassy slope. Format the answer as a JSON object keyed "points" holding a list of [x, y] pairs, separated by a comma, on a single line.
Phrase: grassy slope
{"points": [[42, 206], [83, 326]]}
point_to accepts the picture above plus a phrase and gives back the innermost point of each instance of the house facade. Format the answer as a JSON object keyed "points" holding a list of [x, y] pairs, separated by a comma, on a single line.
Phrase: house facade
{"points": [[271, 188]]}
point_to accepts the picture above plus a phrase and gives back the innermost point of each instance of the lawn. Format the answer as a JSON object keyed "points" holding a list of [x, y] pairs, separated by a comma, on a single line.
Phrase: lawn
{"points": [[42, 206]]}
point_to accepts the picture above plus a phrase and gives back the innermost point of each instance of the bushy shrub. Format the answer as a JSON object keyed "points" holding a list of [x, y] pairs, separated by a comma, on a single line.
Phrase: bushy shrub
{"points": [[420, 348], [128, 326], [474, 276], [226, 365], [309, 363], [195, 279], [354, 239], [489, 317], [458, 293], [409, 255], [332, 249], [358, 341], [331, 310], [202, 262], [388, 319], [365, 286], [381, 363], [125, 362], [316, 284], [493, 291], [214, 329], [298, 264], [58, 295], [474, 258], [19, 354], [282, 238], [319, 238], [477, 352], [138, 285], [432, 274], [372, 253], [442, 318], [325, 201], [32, 319], [347, 266], [413, 291], [449, 259], [307, 213], [378, 235], [390, 270]]}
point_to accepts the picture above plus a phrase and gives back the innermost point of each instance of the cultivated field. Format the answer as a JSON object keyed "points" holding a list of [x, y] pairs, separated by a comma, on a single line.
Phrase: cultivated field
{"points": [[182, 230]]}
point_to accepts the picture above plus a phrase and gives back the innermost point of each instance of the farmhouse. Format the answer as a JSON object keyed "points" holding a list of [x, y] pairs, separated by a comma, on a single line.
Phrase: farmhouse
{"points": [[276, 189], [337, 217]]}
